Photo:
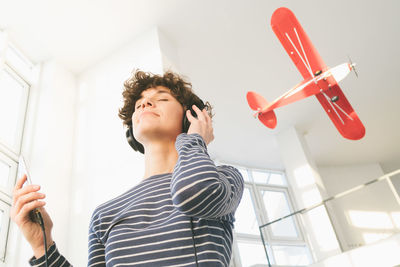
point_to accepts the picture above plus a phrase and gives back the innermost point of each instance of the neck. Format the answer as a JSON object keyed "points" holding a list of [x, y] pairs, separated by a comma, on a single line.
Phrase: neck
{"points": [[160, 157]]}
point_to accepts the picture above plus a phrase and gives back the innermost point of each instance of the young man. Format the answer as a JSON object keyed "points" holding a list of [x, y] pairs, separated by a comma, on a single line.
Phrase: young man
{"points": [[182, 211]]}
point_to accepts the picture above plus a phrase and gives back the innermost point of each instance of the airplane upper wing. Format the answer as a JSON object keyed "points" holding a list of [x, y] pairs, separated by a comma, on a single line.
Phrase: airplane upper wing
{"points": [[296, 43]]}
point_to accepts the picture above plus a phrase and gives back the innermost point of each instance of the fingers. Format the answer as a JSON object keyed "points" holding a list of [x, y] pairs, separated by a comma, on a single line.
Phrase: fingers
{"points": [[190, 116], [27, 200], [202, 114], [28, 207], [206, 115], [25, 190]]}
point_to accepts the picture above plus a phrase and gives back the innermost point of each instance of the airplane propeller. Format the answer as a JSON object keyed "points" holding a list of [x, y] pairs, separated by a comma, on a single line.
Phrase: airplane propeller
{"points": [[353, 66]]}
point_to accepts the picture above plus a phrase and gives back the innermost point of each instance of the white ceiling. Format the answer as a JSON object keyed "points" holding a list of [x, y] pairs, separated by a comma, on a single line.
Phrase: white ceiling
{"points": [[227, 48]]}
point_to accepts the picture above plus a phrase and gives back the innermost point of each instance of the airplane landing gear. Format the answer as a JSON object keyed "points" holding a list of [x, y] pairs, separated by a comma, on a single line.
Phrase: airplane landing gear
{"points": [[335, 98]]}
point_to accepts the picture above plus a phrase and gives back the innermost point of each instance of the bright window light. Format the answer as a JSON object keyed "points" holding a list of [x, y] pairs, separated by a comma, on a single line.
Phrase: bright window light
{"points": [[396, 218], [277, 206], [341, 260], [304, 176], [244, 174], [4, 223], [292, 255], [276, 179], [252, 253], [260, 177], [370, 219], [246, 221], [4, 172], [311, 197], [377, 255], [12, 107], [370, 238], [322, 228]]}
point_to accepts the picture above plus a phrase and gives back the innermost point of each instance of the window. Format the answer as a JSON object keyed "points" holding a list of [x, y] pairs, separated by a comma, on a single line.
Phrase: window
{"points": [[16, 73], [13, 103], [4, 220], [266, 198]]}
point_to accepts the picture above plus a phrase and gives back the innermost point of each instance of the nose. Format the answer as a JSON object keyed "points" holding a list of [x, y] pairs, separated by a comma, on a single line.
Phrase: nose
{"points": [[146, 103]]}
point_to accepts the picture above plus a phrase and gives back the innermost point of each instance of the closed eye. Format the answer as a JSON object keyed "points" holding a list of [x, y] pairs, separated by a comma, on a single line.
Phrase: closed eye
{"points": [[158, 100]]}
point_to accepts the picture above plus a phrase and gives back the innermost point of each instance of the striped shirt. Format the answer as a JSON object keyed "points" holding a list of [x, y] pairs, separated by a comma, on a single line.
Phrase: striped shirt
{"points": [[151, 224]]}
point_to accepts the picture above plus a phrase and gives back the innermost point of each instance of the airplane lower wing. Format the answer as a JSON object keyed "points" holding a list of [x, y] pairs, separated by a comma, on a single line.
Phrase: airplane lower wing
{"points": [[341, 113]]}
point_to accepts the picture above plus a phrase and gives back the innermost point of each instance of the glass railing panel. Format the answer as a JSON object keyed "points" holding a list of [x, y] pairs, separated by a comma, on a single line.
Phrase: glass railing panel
{"points": [[358, 217]]}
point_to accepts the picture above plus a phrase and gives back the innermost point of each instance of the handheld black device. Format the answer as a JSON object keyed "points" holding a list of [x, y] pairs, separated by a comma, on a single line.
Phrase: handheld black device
{"points": [[34, 215]]}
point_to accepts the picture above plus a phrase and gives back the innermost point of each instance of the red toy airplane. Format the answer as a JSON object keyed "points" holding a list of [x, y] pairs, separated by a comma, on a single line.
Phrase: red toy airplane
{"points": [[319, 80]]}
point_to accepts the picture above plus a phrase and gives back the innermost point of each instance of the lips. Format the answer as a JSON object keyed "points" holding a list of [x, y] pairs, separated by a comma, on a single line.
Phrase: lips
{"points": [[148, 112]]}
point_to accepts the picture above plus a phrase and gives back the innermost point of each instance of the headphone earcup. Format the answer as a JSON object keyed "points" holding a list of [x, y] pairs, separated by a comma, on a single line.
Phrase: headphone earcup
{"points": [[185, 124], [133, 142]]}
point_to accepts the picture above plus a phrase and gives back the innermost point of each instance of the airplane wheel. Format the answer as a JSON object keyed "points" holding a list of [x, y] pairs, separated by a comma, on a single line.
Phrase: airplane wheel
{"points": [[335, 98], [318, 72]]}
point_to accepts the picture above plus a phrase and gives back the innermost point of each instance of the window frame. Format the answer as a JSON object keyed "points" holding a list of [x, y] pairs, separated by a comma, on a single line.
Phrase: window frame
{"points": [[268, 233], [27, 75], [15, 149], [262, 216], [4, 230], [6, 192]]}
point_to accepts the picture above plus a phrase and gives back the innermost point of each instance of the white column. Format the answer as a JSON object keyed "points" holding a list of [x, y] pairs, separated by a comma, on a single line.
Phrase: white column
{"points": [[169, 53], [307, 189]]}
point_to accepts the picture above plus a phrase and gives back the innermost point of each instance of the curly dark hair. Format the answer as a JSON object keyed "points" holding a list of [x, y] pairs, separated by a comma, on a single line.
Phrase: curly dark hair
{"points": [[140, 81]]}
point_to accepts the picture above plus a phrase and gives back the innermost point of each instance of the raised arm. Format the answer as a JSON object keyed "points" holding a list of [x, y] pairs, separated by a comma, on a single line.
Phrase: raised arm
{"points": [[198, 187]]}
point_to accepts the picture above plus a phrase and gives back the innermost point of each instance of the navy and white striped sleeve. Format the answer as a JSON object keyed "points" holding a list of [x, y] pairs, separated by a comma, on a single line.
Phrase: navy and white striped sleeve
{"points": [[96, 249], [54, 259], [198, 187]]}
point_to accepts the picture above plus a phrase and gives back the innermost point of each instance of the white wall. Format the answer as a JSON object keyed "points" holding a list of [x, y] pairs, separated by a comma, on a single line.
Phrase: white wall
{"points": [[307, 190], [340, 178], [365, 215], [104, 163]]}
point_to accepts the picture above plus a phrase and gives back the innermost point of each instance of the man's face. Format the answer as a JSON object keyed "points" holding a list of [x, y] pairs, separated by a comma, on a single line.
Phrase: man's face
{"points": [[157, 115]]}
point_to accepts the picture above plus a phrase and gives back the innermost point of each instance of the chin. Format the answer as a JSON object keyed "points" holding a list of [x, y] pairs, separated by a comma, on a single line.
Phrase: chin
{"points": [[155, 132]]}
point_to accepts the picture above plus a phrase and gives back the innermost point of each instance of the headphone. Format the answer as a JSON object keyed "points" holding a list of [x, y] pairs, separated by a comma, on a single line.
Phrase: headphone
{"points": [[185, 126]]}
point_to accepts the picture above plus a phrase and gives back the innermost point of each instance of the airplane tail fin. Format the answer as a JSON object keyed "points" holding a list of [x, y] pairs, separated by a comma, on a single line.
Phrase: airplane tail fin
{"points": [[258, 103]]}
